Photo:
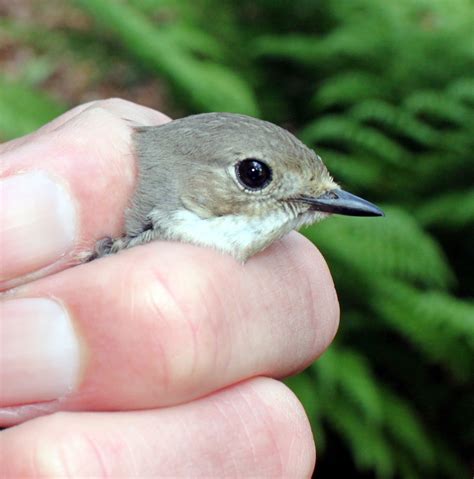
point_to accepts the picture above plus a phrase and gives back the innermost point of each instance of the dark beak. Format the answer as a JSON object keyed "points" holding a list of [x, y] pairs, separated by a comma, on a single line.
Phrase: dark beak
{"points": [[342, 203]]}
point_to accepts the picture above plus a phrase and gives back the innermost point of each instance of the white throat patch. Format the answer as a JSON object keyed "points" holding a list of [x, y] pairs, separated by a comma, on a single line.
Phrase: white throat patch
{"points": [[238, 235]]}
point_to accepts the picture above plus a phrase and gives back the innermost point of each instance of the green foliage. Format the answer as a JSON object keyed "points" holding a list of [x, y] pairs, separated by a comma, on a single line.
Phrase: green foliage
{"points": [[436, 323], [333, 129], [384, 91], [170, 51], [395, 247], [348, 88], [397, 124], [378, 424], [450, 210], [22, 109]]}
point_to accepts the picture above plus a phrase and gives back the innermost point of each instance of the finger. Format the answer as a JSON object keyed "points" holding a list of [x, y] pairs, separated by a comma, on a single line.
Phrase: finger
{"points": [[121, 108], [255, 429], [52, 125], [67, 187], [163, 324]]}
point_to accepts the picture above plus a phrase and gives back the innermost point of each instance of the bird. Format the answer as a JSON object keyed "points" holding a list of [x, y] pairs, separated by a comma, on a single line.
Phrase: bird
{"points": [[229, 182]]}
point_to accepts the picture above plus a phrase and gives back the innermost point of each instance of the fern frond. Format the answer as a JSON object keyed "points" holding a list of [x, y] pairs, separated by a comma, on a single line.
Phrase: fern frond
{"points": [[451, 210], [463, 90], [348, 88], [348, 396], [340, 130], [342, 379], [395, 246], [396, 441], [369, 448], [349, 373], [433, 321], [439, 106], [334, 48], [394, 119], [403, 425], [358, 43]]}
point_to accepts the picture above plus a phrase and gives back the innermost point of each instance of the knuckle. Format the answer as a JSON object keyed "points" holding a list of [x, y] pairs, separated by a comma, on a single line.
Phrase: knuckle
{"points": [[102, 110], [113, 103]]}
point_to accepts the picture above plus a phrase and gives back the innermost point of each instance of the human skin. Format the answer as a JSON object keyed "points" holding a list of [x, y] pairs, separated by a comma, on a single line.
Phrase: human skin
{"points": [[161, 360]]}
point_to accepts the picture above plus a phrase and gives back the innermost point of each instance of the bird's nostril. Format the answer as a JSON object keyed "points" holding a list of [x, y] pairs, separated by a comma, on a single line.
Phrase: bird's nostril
{"points": [[331, 195]]}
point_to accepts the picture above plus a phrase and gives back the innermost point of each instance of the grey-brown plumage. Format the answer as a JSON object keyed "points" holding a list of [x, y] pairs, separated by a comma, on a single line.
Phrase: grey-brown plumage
{"points": [[227, 181]]}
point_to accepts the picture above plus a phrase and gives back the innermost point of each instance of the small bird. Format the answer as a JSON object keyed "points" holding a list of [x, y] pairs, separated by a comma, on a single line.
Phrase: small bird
{"points": [[229, 182]]}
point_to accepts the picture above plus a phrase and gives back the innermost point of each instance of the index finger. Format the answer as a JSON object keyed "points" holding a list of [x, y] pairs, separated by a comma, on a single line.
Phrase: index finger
{"points": [[66, 186]]}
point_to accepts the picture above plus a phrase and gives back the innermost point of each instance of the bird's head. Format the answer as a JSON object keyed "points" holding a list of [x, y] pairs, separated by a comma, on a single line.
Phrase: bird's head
{"points": [[240, 183]]}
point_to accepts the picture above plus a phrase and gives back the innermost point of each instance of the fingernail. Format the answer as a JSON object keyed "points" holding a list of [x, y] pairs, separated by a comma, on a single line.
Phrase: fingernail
{"points": [[37, 223], [39, 355]]}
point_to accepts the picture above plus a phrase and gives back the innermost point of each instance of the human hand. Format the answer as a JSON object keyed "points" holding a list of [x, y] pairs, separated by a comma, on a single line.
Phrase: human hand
{"points": [[148, 362]]}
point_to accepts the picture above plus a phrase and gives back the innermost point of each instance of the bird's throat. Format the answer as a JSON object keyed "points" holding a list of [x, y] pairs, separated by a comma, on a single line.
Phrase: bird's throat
{"points": [[240, 236]]}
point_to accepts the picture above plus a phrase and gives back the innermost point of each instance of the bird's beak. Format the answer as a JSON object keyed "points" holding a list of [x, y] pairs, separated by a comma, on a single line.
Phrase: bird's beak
{"points": [[342, 203]]}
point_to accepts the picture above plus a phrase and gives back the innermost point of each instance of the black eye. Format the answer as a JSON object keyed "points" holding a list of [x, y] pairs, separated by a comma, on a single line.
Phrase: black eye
{"points": [[253, 174]]}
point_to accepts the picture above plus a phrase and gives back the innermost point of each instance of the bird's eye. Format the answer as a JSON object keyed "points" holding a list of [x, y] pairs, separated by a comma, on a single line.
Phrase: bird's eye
{"points": [[253, 174]]}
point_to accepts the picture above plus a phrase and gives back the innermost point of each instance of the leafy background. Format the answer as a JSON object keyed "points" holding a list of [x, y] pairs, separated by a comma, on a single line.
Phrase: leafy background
{"points": [[384, 91]]}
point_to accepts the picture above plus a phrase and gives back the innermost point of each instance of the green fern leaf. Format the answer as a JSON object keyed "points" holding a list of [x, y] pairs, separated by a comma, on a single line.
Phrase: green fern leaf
{"points": [[369, 447], [451, 210], [340, 130], [395, 246], [435, 322], [348, 88], [462, 90], [395, 119], [404, 426], [438, 106], [353, 378]]}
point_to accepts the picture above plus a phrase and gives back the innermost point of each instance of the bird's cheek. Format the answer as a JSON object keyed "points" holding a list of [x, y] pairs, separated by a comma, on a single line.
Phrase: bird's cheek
{"points": [[197, 206], [209, 202]]}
